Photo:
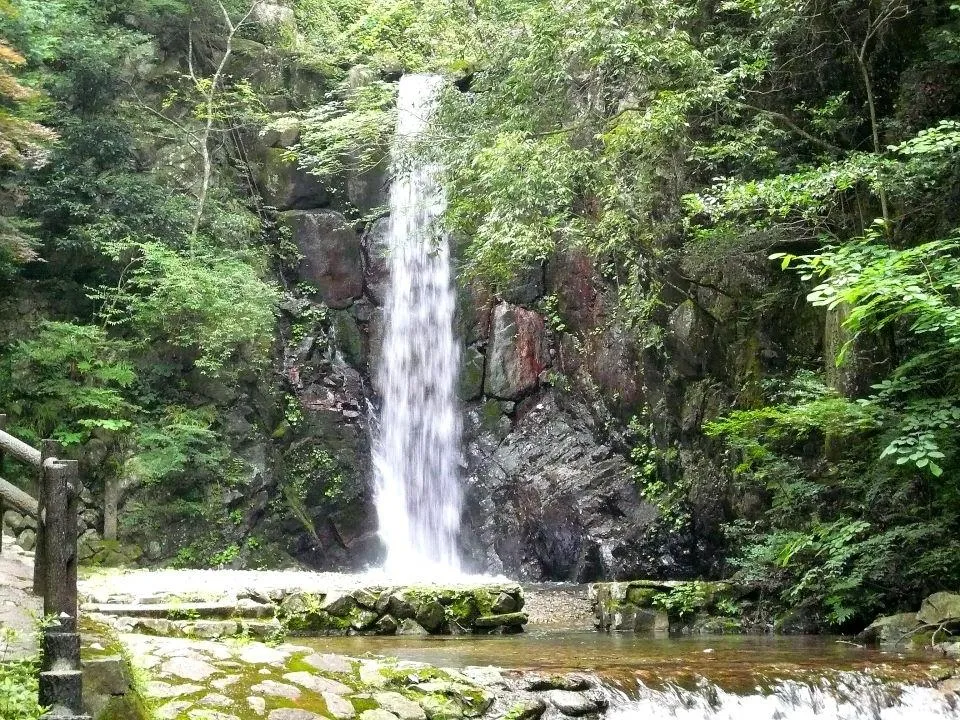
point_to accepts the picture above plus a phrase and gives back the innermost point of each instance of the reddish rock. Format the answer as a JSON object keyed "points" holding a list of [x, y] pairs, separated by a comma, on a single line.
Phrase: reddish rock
{"points": [[517, 353], [574, 279]]}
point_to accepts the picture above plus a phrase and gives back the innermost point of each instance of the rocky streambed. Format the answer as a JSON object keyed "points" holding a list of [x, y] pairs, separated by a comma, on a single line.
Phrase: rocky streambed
{"points": [[248, 680]]}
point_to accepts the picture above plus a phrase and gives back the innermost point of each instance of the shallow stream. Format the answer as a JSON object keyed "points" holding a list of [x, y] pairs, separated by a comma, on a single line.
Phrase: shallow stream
{"points": [[693, 678], [734, 662]]}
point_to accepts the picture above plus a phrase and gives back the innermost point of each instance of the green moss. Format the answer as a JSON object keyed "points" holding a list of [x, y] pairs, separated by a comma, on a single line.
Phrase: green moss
{"points": [[642, 596], [363, 702], [440, 707], [463, 610], [490, 414], [484, 600], [348, 337], [135, 704], [131, 706], [302, 613], [400, 678], [316, 621]]}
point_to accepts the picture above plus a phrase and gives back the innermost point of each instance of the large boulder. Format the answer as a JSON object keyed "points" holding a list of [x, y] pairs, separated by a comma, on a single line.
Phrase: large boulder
{"points": [[551, 501], [689, 339], [331, 255], [517, 353], [369, 190], [283, 184], [575, 281], [890, 629], [376, 276], [526, 287], [939, 608]]}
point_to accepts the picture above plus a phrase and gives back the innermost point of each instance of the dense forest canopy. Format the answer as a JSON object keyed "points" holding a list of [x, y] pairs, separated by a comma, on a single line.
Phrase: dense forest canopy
{"points": [[673, 143]]}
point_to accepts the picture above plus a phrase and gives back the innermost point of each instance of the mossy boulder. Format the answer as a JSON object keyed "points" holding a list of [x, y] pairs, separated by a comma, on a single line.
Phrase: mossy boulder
{"points": [[890, 629], [431, 615], [94, 552], [661, 605], [941, 607], [642, 596], [506, 619]]}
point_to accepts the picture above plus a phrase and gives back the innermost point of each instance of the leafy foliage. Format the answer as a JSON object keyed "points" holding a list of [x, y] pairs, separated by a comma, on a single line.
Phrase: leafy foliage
{"points": [[70, 380], [683, 601], [212, 303], [18, 690], [18, 682], [151, 296], [351, 130]]}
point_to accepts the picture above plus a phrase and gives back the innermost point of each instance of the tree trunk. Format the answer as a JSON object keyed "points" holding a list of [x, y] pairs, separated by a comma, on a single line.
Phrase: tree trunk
{"points": [[111, 502]]}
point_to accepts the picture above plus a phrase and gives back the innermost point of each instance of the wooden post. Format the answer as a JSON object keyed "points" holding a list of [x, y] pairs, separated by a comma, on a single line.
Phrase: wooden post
{"points": [[48, 449], [111, 500], [60, 537], [60, 676]]}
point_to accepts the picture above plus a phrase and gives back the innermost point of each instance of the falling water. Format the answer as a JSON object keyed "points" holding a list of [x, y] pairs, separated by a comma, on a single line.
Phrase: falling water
{"points": [[416, 453]]}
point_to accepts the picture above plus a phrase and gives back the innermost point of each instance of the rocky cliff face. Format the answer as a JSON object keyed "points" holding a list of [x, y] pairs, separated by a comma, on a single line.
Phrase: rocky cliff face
{"points": [[567, 416]]}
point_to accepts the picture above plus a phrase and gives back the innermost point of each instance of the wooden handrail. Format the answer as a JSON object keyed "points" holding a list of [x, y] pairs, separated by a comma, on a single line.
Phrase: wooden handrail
{"points": [[19, 449], [54, 568], [16, 498]]}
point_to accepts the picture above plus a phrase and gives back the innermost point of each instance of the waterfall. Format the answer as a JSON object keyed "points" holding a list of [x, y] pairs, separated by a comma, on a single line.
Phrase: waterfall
{"points": [[416, 451]]}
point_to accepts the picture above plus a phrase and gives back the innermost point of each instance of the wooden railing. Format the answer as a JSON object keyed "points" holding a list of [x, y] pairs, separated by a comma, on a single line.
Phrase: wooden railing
{"points": [[55, 566]]}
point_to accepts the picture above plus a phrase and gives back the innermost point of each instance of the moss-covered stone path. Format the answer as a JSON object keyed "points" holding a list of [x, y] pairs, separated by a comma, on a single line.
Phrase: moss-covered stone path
{"points": [[210, 680], [190, 679]]}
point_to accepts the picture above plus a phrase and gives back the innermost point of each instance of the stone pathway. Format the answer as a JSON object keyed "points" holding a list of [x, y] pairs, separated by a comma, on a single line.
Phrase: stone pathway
{"points": [[19, 607]]}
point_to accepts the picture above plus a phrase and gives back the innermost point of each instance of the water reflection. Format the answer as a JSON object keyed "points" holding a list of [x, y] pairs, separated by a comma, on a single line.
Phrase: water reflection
{"points": [[734, 663]]}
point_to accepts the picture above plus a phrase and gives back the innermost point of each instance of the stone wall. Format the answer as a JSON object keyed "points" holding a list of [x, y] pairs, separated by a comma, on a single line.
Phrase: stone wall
{"points": [[661, 606], [368, 610]]}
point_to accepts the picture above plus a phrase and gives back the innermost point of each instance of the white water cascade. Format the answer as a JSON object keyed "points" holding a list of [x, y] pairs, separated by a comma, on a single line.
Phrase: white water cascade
{"points": [[848, 696], [416, 452]]}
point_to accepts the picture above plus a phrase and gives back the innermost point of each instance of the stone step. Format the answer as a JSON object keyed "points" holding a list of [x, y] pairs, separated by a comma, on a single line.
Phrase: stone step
{"points": [[60, 691], [200, 629], [184, 611]]}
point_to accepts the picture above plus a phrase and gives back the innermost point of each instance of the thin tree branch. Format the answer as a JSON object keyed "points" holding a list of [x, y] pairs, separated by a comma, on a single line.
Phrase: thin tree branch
{"points": [[209, 97], [796, 128]]}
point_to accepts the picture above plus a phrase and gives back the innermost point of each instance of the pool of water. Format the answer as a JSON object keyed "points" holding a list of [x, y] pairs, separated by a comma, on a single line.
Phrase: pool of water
{"points": [[736, 663]]}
